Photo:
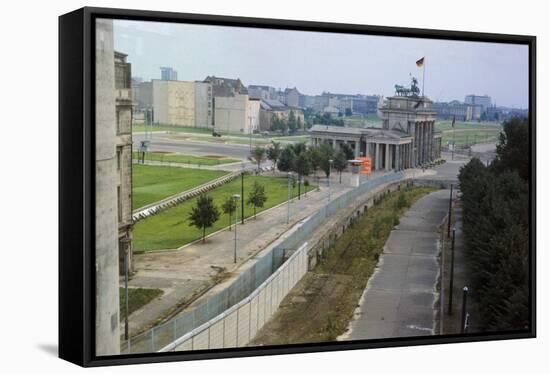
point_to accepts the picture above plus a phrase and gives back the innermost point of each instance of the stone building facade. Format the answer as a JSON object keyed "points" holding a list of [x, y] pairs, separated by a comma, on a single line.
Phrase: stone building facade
{"points": [[406, 139], [182, 103], [123, 119], [107, 325]]}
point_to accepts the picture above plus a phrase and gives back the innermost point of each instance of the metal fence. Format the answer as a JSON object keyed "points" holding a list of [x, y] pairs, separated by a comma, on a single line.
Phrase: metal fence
{"points": [[271, 275]]}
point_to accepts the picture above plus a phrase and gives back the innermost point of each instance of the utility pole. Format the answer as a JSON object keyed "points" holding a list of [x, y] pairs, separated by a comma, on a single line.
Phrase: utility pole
{"points": [[235, 197], [242, 194], [329, 175], [450, 213], [464, 322], [288, 201]]}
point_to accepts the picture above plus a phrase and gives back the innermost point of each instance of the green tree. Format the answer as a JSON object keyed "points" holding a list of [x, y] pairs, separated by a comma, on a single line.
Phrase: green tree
{"points": [[513, 147], [292, 122], [302, 167], [274, 152], [229, 206], [257, 155], [348, 112], [340, 162], [495, 204], [326, 153], [204, 214], [298, 148], [348, 151], [257, 196], [314, 158], [287, 159], [277, 124]]}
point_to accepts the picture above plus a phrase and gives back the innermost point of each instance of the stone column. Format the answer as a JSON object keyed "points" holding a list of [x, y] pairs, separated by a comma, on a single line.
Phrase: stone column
{"points": [[397, 157], [357, 148], [387, 162], [377, 157]]}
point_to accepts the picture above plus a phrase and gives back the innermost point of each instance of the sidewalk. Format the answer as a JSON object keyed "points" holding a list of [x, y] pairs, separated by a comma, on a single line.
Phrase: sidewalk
{"points": [[186, 274], [401, 296]]}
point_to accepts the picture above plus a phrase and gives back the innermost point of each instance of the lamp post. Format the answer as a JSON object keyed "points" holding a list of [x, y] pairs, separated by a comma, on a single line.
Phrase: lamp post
{"points": [[235, 197], [288, 201], [329, 173], [242, 194]]}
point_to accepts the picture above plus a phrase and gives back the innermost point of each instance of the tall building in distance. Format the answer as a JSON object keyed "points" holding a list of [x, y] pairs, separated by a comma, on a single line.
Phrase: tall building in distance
{"points": [[483, 101], [168, 74]]}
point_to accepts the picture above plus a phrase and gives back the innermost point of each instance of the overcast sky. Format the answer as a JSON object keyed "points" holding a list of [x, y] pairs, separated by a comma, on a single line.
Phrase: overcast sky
{"points": [[315, 62]]}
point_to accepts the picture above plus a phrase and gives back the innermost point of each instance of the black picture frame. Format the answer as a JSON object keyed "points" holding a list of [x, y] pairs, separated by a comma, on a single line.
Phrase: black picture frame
{"points": [[77, 181]]}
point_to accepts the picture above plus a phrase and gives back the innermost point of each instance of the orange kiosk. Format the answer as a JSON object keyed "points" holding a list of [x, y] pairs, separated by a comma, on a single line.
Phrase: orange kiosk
{"points": [[359, 165]]}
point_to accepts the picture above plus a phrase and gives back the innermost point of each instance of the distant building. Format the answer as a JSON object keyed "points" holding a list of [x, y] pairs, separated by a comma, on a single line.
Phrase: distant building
{"points": [[260, 92], [142, 95], [483, 101], [407, 139], [292, 97], [271, 109], [226, 86], [168, 74], [182, 103], [307, 101], [236, 114], [457, 110], [234, 110], [327, 102], [500, 113]]}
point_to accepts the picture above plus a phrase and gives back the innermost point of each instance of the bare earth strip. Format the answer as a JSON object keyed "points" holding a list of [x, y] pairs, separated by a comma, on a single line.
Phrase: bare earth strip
{"points": [[401, 297]]}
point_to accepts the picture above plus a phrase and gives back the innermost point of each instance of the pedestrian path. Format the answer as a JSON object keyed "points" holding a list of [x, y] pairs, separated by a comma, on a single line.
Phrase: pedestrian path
{"points": [[400, 297]]}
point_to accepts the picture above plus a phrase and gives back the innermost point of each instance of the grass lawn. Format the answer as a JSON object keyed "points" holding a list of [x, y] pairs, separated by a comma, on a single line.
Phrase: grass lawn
{"points": [[137, 297], [470, 137], [184, 159], [444, 125], [154, 183], [170, 228], [334, 287]]}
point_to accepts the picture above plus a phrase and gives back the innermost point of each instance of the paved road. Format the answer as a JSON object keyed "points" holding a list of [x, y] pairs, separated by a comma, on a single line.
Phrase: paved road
{"points": [[400, 296], [170, 143]]}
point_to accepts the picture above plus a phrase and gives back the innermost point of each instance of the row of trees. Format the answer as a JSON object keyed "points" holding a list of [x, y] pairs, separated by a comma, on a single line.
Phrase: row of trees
{"points": [[205, 213], [324, 119], [496, 228], [290, 124]]}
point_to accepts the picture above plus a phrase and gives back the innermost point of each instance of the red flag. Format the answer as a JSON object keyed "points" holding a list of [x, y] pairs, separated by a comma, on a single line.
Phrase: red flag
{"points": [[453, 124]]}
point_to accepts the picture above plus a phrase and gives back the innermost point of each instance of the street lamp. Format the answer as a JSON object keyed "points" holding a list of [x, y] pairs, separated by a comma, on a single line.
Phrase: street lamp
{"points": [[242, 194], [235, 197], [329, 173], [289, 174]]}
